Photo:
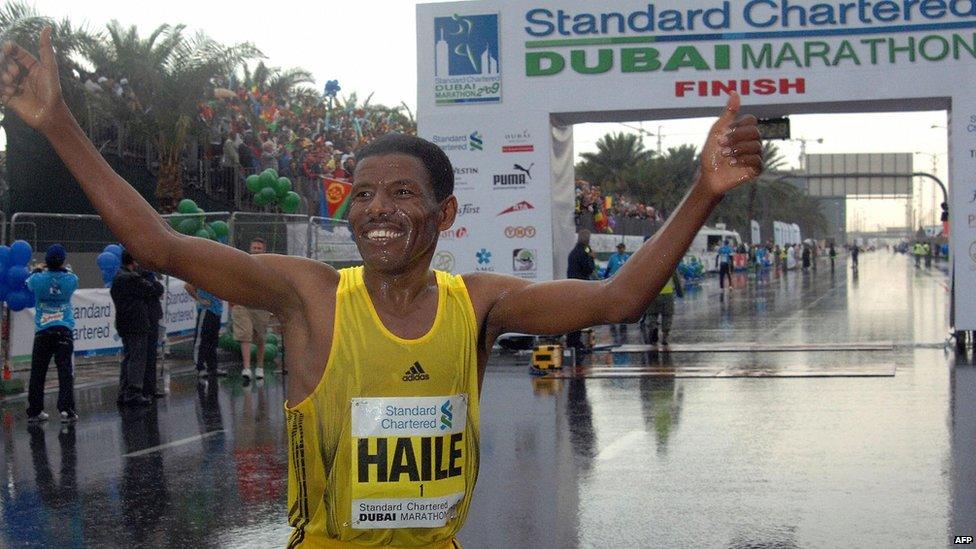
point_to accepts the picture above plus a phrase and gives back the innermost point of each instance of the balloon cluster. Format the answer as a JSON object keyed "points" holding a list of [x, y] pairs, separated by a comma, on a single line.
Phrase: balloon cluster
{"points": [[192, 221], [13, 275], [109, 262], [228, 343], [332, 88], [269, 189]]}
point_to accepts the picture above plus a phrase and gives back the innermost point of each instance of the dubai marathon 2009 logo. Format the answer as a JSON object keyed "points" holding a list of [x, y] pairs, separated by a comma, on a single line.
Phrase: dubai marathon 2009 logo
{"points": [[466, 64]]}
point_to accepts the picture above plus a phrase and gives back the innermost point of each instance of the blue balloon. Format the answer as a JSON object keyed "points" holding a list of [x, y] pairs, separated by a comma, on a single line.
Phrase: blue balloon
{"points": [[20, 253], [114, 249], [4, 255], [3, 292], [107, 278], [16, 276], [107, 261], [19, 300]]}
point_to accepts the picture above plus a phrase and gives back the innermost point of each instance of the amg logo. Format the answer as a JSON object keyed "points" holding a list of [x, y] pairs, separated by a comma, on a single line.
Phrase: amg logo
{"points": [[416, 373], [509, 180]]}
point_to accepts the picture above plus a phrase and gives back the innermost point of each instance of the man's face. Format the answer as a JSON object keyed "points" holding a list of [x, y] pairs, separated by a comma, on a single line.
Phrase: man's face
{"points": [[394, 215], [257, 247]]}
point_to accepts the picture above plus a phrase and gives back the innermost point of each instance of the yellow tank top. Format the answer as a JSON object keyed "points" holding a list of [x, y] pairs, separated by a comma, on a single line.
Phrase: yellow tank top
{"points": [[385, 449]]}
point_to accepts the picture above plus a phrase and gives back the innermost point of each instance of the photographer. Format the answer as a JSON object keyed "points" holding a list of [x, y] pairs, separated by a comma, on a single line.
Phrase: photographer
{"points": [[54, 323]]}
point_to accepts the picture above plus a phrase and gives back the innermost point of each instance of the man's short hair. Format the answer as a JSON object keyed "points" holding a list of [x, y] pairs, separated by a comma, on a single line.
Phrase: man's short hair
{"points": [[259, 239], [430, 155]]}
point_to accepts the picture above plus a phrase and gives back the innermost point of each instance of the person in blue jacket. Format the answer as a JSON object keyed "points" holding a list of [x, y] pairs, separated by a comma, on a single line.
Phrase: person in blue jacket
{"points": [[54, 324]]}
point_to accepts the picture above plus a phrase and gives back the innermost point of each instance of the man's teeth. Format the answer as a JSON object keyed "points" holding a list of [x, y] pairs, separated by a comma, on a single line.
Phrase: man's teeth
{"points": [[382, 233]]}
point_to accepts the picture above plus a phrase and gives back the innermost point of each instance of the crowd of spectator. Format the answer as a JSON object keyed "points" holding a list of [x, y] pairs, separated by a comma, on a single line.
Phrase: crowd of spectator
{"points": [[605, 212], [305, 137]]}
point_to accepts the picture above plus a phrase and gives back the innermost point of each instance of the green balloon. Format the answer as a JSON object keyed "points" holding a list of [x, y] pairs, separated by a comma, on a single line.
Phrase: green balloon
{"points": [[211, 233], [267, 196], [271, 338], [270, 352], [220, 228], [175, 223], [226, 341], [187, 206], [291, 202], [202, 233], [268, 179], [282, 186], [189, 225], [253, 183]]}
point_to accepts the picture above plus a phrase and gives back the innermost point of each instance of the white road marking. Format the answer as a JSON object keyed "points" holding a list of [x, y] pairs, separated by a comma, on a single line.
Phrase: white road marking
{"points": [[180, 442]]}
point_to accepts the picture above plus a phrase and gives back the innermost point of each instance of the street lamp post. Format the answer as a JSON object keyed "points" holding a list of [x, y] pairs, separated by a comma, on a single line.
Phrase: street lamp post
{"points": [[803, 148]]}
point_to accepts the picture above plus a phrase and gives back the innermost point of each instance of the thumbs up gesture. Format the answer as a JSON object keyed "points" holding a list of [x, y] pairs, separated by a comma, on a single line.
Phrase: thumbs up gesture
{"points": [[30, 86], [732, 153]]}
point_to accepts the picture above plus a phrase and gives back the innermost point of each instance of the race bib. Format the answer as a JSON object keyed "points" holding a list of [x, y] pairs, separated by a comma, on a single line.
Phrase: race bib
{"points": [[408, 459]]}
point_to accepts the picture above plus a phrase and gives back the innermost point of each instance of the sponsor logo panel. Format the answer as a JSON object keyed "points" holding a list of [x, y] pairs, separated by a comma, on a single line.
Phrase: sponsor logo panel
{"points": [[467, 65], [517, 207], [443, 261], [454, 233], [527, 231], [524, 262], [518, 142]]}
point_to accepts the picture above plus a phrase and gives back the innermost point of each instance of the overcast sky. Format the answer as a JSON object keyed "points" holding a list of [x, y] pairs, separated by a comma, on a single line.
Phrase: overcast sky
{"points": [[370, 47]]}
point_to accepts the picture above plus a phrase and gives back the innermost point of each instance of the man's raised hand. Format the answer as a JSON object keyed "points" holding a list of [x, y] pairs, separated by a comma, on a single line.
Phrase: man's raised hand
{"points": [[30, 86], [733, 151]]}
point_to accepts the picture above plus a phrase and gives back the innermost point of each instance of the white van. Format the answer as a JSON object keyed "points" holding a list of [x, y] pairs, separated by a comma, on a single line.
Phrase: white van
{"points": [[707, 242]]}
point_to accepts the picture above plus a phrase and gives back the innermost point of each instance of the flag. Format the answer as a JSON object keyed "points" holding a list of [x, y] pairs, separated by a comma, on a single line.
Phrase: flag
{"points": [[600, 221], [334, 198]]}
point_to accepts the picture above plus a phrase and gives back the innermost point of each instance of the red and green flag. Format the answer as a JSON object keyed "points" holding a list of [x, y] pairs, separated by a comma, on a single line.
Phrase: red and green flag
{"points": [[335, 198]]}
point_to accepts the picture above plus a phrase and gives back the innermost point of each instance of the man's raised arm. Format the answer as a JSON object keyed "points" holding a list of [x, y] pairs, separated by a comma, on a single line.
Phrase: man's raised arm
{"points": [[30, 87], [732, 155]]}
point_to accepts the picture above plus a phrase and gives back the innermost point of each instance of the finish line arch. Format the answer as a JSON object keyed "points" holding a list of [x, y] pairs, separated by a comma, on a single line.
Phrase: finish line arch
{"points": [[500, 85]]}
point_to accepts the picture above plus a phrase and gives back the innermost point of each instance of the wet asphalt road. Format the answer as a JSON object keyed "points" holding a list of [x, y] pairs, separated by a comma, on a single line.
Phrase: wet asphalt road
{"points": [[875, 450]]}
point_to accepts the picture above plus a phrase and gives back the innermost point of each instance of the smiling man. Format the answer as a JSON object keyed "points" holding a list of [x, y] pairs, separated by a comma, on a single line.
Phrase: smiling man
{"points": [[386, 360]]}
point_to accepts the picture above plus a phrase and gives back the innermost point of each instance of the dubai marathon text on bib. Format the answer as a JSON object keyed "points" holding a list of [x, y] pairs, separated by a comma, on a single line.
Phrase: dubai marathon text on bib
{"points": [[408, 460]]}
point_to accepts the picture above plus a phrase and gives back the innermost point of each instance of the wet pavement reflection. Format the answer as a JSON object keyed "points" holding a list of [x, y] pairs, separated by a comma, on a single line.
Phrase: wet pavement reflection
{"points": [[870, 448]]}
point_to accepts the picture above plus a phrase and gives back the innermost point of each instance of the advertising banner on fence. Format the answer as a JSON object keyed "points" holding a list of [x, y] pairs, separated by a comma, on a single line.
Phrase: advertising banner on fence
{"points": [[94, 313]]}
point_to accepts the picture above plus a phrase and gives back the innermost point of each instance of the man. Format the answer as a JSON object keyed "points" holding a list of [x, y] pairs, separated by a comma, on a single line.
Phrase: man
{"points": [[855, 251], [616, 260], [54, 324], [131, 292], [617, 331], [661, 313], [385, 360], [581, 267], [155, 309], [724, 261], [209, 309], [251, 324], [833, 256]]}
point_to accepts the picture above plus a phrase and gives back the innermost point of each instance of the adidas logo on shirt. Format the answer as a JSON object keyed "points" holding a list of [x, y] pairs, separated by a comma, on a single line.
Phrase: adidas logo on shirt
{"points": [[416, 373]]}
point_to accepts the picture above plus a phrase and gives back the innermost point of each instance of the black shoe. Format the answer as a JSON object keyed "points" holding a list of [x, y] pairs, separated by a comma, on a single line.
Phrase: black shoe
{"points": [[221, 372], [139, 400], [160, 394]]}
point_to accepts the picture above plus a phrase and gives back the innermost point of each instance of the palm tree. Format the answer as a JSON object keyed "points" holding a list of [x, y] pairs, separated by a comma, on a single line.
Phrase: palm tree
{"points": [[22, 23], [617, 159], [169, 74]]}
